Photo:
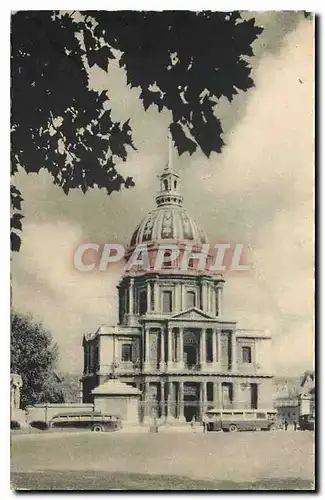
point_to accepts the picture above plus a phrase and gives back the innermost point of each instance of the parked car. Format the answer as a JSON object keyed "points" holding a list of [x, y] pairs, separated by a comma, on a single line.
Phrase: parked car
{"points": [[241, 420], [307, 423], [94, 421]]}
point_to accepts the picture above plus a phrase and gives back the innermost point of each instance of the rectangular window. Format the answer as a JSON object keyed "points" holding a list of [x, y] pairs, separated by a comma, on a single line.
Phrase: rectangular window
{"points": [[167, 301], [209, 348], [142, 302], [260, 415], [227, 393], [126, 352], [190, 299], [246, 354]]}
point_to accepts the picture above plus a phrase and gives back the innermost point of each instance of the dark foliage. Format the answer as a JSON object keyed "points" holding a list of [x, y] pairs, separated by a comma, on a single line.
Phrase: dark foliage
{"points": [[182, 61], [33, 356]]}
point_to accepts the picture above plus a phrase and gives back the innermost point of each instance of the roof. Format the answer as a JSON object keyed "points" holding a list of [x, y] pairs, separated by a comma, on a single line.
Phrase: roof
{"points": [[115, 387], [168, 223]]}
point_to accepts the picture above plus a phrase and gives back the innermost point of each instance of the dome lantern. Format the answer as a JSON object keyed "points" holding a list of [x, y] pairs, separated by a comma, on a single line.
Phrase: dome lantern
{"points": [[169, 182]]}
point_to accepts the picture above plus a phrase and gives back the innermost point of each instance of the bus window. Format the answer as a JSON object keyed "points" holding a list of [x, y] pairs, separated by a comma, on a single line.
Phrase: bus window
{"points": [[250, 415], [227, 415], [260, 415], [238, 414]]}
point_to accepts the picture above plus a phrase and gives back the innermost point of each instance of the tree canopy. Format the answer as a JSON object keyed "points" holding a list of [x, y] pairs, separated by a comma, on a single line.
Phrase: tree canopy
{"points": [[182, 61], [33, 356]]}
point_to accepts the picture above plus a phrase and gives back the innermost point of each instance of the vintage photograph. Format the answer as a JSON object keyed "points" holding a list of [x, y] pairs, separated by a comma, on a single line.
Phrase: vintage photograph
{"points": [[162, 250]]}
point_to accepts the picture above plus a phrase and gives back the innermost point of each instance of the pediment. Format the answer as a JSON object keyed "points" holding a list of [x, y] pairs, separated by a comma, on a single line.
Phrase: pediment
{"points": [[194, 314]]}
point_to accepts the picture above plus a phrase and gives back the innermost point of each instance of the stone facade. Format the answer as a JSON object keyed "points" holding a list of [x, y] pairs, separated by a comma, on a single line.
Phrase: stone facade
{"points": [[173, 341]]}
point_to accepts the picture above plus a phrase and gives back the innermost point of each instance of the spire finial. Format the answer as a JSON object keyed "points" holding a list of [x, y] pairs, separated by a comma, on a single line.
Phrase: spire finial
{"points": [[169, 166]]}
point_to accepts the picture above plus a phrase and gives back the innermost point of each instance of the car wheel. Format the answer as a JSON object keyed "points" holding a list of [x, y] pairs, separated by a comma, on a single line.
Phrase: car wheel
{"points": [[97, 428], [233, 428], [272, 427]]}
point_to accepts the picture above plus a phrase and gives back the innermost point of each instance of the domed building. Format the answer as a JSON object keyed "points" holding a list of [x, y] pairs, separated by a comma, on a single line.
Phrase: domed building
{"points": [[173, 341]]}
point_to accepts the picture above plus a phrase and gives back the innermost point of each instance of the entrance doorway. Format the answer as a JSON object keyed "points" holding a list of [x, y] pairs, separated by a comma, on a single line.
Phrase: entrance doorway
{"points": [[191, 401], [190, 355]]}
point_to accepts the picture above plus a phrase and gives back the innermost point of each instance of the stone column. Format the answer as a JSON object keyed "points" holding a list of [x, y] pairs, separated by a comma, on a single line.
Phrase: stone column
{"points": [[219, 291], [203, 354], [170, 348], [216, 394], [162, 349], [181, 347], [162, 399], [147, 346], [233, 352], [149, 297], [181, 401], [214, 301], [146, 401], [208, 309], [156, 296], [170, 401], [131, 296], [204, 397], [183, 304], [219, 346], [214, 346]]}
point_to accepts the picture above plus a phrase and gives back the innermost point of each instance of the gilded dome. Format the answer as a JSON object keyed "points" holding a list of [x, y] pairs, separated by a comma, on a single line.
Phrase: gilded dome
{"points": [[168, 222]]}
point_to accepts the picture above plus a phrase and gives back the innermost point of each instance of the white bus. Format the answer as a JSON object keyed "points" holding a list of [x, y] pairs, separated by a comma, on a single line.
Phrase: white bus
{"points": [[241, 420]]}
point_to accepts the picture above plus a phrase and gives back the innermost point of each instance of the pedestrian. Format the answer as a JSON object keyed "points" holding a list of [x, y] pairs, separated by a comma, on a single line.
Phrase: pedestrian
{"points": [[295, 425], [193, 423], [205, 423], [286, 425]]}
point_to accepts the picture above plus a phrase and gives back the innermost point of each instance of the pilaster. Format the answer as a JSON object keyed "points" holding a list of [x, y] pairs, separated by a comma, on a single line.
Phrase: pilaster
{"points": [[170, 349], [162, 363]]}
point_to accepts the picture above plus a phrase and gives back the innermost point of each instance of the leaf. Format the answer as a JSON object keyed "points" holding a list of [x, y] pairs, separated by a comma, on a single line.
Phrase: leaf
{"points": [[15, 221], [100, 57], [15, 198], [15, 242], [183, 143]]}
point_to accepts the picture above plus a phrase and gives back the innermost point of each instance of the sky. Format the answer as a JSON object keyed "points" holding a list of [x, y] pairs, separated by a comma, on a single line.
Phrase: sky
{"points": [[258, 191]]}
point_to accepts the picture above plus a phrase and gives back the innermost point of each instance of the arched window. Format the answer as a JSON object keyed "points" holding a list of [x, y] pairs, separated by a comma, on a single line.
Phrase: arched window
{"points": [[246, 354], [175, 184], [167, 264], [165, 184]]}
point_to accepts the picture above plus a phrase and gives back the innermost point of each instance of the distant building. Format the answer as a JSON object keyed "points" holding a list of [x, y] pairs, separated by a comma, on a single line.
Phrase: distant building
{"points": [[294, 396], [307, 394], [173, 341]]}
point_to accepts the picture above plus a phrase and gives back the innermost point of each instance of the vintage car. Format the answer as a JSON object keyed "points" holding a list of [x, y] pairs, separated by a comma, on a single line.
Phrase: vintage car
{"points": [[307, 423]]}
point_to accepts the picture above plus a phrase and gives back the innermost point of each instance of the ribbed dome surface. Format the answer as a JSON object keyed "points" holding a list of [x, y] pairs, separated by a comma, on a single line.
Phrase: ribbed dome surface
{"points": [[168, 222]]}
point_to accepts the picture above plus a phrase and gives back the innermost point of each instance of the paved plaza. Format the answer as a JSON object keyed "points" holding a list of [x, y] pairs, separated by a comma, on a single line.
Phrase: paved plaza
{"points": [[167, 460]]}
